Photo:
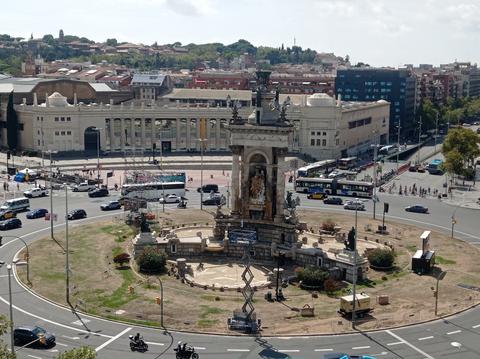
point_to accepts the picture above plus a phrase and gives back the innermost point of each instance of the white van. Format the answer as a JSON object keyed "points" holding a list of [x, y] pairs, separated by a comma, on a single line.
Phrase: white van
{"points": [[16, 204]]}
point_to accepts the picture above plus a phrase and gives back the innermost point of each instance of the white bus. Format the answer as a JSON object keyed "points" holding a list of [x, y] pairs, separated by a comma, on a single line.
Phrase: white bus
{"points": [[387, 150], [16, 204], [317, 168], [329, 186], [153, 191]]}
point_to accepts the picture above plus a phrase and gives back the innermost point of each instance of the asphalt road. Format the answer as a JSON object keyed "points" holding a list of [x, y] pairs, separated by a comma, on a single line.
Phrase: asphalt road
{"points": [[457, 337]]}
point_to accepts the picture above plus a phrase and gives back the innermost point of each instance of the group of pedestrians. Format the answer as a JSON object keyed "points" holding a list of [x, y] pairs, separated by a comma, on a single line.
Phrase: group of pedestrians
{"points": [[413, 190]]}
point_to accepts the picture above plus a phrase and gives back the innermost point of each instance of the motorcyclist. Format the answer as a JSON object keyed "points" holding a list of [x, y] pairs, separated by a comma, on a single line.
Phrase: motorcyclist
{"points": [[136, 338]]}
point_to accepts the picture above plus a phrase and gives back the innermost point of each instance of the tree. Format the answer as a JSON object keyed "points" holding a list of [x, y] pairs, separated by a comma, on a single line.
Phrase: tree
{"points": [[12, 124], [381, 258], [4, 350], [79, 353], [152, 260], [48, 39], [453, 163], [465, 142], [312, 276], [111, 42]]}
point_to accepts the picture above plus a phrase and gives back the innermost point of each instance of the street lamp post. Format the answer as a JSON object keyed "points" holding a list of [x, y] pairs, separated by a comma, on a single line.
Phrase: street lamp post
{"points": [[375, 148], [9, 269], [398, 144], [419, 139], [436, 133], [51, 194], [440, 276], [97, 129], [354, 279], [67, 257], [161, 301]]}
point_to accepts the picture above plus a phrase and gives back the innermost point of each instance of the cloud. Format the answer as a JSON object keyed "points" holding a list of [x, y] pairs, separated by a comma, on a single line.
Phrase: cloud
{"points": [[191, 7]]}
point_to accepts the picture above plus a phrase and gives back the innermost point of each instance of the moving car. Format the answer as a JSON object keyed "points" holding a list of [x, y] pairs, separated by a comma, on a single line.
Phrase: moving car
{"points": [[171, 198], [36, 192], [346, 356], [7, 214], [208, 188], [37, 213], [417, 208], [333, 200], [11, 223], [77, 214], [316, 195], [83, 187], [355, 205], [212, 201], [37, 336], [112, 205], [98, 192]]}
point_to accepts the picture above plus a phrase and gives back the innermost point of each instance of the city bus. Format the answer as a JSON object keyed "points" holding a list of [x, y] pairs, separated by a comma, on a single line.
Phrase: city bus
{"points": [[334, 186], [153, 191], [435, 167], [317, 168], [347, 163]]}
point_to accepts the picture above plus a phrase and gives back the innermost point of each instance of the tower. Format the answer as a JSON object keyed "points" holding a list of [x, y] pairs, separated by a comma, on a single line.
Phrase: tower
{"points": [[61, 36]]}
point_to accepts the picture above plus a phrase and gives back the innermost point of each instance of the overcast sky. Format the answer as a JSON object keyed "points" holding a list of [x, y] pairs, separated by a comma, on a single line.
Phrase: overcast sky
{"points": [[379, 32]]}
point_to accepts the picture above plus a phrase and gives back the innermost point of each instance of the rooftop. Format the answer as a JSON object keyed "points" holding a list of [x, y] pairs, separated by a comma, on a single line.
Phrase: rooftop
{"points": [[178, 93]]}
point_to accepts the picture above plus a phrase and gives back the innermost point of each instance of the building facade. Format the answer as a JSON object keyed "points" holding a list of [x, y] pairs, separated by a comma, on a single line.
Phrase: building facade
{"points": [[372, 84]]}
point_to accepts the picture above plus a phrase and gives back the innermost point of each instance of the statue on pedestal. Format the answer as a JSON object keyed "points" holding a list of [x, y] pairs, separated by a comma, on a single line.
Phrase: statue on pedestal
{"points": [[144, 226], [257, 188], [349, 243]]}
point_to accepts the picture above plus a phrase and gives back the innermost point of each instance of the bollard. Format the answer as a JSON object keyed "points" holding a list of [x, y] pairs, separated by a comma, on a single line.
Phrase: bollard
{"points": [[131, 290], [158, 300]]}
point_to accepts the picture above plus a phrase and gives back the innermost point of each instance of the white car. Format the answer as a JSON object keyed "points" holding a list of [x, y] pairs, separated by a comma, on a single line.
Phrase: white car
{"points": [[359, 206], [36, 192], [83, 187], [171, 198]]}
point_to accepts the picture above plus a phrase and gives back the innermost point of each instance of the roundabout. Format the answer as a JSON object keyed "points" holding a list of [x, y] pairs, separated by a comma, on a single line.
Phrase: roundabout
{"points": [[430, 340]]}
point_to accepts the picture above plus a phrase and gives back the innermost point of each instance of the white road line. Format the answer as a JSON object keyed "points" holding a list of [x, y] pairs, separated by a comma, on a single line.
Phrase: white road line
{"points": [[454, 332], [97, 349], [287, 350], [203, 348], [65, 345], [159, 344], [358, 348], [239, 350], [6, 275], [394, 343], [52, 322], [75, 338], [474, 327], [425, 338], [35, 357], [324, 350], [418, 350]]}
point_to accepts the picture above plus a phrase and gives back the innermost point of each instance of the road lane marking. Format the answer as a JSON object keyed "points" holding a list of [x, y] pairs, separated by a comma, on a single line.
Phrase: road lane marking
{"points": [[159, 344], [35, 357], [71, 338], [97, 349], [200, 348], [287, 350], [83, 321], [418, 350], [474, 327], [65, 345], [454, 332], [240, 350], [358, 348], [52, 322], [394, 343], [324, 350], [425, 338]]}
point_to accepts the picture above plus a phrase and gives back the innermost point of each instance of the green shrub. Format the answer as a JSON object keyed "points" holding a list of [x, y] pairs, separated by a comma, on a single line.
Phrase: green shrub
{"points": [[121, 259], [79, 353], [381, 258], [312, 276], [152, 260]]}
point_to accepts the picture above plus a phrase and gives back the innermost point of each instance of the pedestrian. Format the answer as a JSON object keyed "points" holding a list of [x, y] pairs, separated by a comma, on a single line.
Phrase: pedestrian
{"points": [[18, 186]]}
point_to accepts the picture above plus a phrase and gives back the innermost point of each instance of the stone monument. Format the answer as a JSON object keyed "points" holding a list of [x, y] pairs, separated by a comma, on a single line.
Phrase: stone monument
{"points": [[145, 238]]}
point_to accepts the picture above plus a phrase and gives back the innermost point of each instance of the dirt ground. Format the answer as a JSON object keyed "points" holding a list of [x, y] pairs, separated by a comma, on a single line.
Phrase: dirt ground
{"points": [[100, 288]]}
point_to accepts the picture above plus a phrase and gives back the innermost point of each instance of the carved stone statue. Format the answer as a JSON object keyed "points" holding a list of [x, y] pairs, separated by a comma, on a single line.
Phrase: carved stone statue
{"points": [[257, 188], [350, 241], [236, 119], [144, 226]]}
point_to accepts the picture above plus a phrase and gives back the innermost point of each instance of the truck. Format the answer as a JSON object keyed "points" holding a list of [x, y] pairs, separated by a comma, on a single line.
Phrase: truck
{"points": [[83, 187], [362, 305], [36, 192]]}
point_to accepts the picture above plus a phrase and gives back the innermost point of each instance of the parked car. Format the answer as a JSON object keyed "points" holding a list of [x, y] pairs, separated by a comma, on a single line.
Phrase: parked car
{"points": [[36, 192], [33, 334], [98, 192], [421, 169], [83, 187], [11, 223], [417, 208], [316, 195], [212, 201], [208, 188], [171, 198], [7, 214], [355, 205], [413, 168], [77, 214], [333, 200], [112, 205], [37, 213]]}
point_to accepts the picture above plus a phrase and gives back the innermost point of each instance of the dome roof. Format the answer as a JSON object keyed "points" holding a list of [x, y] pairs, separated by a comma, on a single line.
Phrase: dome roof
{"points": [[57, 100], [320, 99]]}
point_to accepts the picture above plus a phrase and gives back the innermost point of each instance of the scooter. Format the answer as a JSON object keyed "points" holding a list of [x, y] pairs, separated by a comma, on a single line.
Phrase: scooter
{"points": [[188, 353], [182, 204], [139, 345]]}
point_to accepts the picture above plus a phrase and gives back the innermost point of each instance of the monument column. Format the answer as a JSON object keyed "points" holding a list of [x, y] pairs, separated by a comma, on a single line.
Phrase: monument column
{"points": [[280, 185], [177, 140], [235, 179], [143, 140], [112, 134], [269, 193], [122, 134]]}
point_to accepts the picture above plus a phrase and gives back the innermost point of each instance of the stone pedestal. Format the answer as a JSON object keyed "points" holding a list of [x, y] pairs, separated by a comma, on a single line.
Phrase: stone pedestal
{"points": [[345, 261], [142, 240]]}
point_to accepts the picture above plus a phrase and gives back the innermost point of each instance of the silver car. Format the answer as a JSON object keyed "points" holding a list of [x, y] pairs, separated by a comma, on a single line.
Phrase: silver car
{"points": [[355, 205]]}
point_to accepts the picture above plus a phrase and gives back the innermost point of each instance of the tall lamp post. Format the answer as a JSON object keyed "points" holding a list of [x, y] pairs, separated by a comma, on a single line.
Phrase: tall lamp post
{"points": [[440, 276], [97, 129], [375, 150], [27, 254], [398, 143], [51, 193], [354, 280], [67, 257], [419, 140], [9, 269], [202, 140]]}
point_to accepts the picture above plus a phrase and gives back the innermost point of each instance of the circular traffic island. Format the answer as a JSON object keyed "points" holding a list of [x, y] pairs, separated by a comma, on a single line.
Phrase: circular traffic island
{"points": [[205, 298]]}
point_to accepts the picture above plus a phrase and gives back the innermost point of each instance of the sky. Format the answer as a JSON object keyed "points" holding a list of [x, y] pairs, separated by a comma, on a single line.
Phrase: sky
{"points": [[377, 32]]}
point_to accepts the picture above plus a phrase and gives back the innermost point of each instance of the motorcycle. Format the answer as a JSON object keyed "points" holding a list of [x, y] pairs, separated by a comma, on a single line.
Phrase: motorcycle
{"points": [[138, 345], [187, 353], [182, 204]]}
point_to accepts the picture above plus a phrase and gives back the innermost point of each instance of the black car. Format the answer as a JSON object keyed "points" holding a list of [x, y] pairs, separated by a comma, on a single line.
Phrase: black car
{"points": [[11, 223], [37, 336], [37, 213], [417, 208], [112, 205], [212, 201], [98, 192], [208, 188], [77, 214], [333, 200]]}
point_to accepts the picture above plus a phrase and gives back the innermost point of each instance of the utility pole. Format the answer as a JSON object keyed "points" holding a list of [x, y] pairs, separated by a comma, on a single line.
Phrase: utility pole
{"points": [[12, 341], [67, 264], [354, 280], [51, 196], [398, 144], [419, 139], [374, 172], [436, 133], [439, 278]]}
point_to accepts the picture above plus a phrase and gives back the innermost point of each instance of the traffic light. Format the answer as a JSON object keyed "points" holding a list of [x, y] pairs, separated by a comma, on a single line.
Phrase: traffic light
{"points": [[154, 146], [385, 207], [1, 238], [8, 155]]}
